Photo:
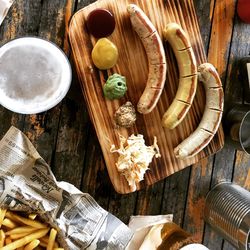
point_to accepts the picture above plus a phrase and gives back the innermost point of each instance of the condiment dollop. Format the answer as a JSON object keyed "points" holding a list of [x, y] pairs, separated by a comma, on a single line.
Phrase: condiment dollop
{"points": [[100, 23], [115, 87], [104, 54]]}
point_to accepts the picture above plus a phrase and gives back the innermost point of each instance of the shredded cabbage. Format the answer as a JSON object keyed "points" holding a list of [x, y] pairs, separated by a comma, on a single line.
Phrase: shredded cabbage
{"points": [[134, 157]]}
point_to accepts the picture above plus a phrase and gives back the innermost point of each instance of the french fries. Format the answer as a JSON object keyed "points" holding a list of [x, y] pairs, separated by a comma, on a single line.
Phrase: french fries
{"points": [[33, 244], [2, 238], [26, 221], [2, 215], [26, 232], [9, 223]]}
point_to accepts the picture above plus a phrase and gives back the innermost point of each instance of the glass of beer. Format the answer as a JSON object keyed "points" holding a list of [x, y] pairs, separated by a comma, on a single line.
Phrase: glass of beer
{"points": [[35, 75]]}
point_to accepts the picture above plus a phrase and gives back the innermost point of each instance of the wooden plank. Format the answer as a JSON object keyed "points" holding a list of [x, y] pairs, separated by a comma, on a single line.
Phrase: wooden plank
{"points": [[218, 55], [198, 188], [11, 27], [69, 156], [102, 110], [234, 94], [220, 41], [94, 176], [222, 170], [192, 219], [41, 128], [83, 3], [175, 195], [123, 205], [240, 48], [149, 200], [205, 11], [95, 180], [242, 170], [228, 246], [178, 183]]}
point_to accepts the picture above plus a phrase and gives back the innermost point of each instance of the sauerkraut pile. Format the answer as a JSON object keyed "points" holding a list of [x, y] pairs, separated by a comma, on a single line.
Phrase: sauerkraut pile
{"points": [[134, 157]]}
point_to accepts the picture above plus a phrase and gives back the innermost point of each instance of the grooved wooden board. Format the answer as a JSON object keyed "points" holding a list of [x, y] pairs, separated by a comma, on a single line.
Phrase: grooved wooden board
{"points": [[132, 63]]}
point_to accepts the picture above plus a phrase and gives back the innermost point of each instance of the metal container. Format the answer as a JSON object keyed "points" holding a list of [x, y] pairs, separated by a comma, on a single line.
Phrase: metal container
{"points": [[237, 127], [244, 77], [227, 210]]}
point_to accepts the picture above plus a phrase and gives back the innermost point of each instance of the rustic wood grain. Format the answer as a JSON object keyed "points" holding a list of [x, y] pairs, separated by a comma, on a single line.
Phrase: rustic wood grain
{"points": [[175, 195], [82, 163], [222, 171], [205, 16], [95, 179], [12, 27], [179, 184], [234, 93], [239, 48], [41, 128], [68, 159], [123, 205], [223, 165], [221, 35], [224, 160], [189, 209], [101, 110], [149, 199], [198, 188]]}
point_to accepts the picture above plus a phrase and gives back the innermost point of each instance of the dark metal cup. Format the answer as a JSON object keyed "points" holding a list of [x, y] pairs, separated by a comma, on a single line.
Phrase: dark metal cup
{"points": [[227, 211], [237, 127]]}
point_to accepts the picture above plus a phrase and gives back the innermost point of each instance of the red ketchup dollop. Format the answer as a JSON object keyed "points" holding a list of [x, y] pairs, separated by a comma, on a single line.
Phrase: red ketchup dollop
{"points": [[100, 23]]}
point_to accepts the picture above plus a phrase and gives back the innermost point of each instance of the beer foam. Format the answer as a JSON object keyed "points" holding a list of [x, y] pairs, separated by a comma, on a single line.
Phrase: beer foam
{"points": [[28, 73], [33, 74]]}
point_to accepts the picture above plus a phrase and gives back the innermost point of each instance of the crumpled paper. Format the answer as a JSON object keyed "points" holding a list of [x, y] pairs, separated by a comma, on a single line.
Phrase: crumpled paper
{"points": [[4, 7], [27, 184], [141, 225]]}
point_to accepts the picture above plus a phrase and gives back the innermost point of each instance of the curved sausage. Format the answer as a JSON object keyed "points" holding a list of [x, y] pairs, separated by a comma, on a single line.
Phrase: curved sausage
{"points": [[186, 61], [156, 58], [212, 115]]}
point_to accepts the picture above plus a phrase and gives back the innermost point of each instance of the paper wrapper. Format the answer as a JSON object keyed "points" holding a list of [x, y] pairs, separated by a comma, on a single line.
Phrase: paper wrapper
{"points": [[141, 225], [27, 184], [4, 7]]}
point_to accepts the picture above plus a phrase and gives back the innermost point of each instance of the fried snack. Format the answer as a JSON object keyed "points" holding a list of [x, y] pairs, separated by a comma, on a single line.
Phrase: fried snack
{"points": [[9, 223], [26, 232], [2, 238], [33, 244], [2, 215], [18, 236], [25, 240], [52, 237], [32, 216], [8, 240], [20, 230], [26, 221]]}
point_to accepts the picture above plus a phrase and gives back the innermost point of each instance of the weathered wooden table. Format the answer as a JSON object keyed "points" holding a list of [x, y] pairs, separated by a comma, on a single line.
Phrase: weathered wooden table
{"points": [[65, 137]]}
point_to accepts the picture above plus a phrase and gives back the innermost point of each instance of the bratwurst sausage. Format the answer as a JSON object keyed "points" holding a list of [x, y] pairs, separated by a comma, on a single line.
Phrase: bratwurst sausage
{"points": [[186, 61], [156, 58], [212, 115]]}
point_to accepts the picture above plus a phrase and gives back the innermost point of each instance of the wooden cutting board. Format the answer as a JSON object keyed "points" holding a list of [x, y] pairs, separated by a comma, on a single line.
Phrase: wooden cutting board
{"points": [[132, 63]]}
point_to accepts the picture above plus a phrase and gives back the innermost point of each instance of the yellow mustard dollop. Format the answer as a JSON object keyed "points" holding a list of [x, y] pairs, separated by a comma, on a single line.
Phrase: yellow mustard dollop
{"points": [[104, 54]]}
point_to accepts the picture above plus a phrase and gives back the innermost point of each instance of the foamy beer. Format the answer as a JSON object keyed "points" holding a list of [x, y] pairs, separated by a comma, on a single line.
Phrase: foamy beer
{"points": [[35, 75]]}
